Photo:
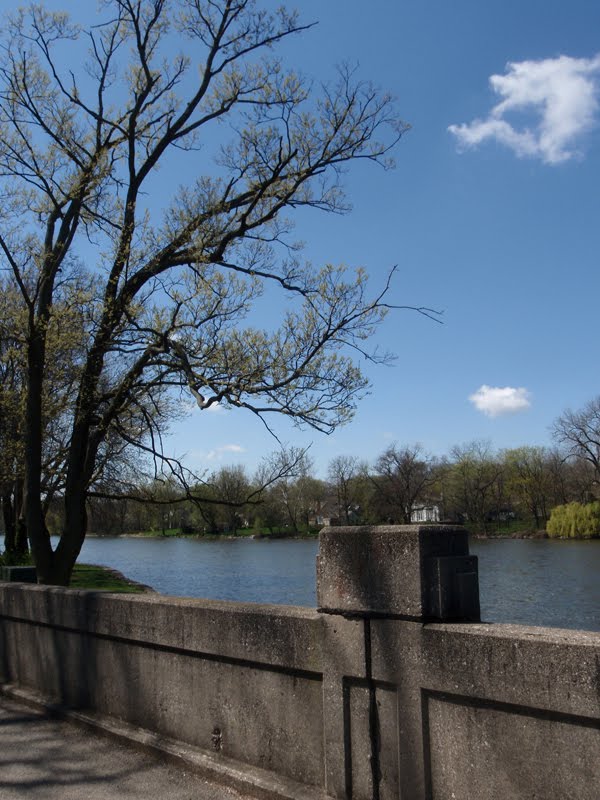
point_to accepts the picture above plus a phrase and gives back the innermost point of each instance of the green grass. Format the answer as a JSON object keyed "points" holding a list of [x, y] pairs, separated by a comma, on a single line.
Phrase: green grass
{"points": [[287, 530], [159, 532], [92, 576], [85, 576], [238, 532]]}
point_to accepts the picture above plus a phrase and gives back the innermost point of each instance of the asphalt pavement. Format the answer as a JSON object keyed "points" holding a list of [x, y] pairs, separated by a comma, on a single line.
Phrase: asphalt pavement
{"points": [[51, 759]]}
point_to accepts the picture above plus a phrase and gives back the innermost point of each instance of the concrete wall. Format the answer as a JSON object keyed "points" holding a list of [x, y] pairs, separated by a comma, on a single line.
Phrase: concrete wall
{"points": [[367, 697]]}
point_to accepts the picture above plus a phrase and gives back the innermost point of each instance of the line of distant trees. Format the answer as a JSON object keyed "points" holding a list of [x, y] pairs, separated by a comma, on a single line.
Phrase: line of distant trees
{"points": [[486, 489], [489, 490]]}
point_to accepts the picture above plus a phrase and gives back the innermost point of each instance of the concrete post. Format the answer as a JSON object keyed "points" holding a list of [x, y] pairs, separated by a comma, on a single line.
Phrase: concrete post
{"points": [[367, 574], [18, 574], [413, 572]]}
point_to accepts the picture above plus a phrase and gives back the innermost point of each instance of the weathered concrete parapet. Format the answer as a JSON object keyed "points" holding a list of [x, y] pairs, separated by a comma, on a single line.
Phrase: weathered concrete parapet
{"points": [[418, 572], [288, 703]]}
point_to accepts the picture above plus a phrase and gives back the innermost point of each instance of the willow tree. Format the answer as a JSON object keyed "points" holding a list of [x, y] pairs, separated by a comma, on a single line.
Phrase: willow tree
{"points": [[193, 87]]}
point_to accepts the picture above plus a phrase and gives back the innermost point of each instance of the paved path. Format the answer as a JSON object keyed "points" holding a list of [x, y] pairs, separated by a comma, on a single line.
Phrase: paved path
{"points": [[47, 759]]}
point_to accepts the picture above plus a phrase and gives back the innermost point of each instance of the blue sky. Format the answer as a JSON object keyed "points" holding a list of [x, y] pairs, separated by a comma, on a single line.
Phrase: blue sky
{"points": [[503, 238], [492, 216]]}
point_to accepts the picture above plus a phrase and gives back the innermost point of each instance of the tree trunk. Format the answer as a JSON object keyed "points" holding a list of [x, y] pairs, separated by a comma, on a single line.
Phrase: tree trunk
{"points": [[21, 545], [70, 543], [10, 528], [80, 468], [33, 520]]}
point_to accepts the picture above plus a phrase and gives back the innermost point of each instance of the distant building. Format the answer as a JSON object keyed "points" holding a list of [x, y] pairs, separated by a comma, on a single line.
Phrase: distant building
{"points": [[424, 513], [328, 513], [324, 514]]}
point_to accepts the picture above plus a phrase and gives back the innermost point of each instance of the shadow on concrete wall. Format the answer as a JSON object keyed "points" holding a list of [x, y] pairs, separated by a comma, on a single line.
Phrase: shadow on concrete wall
{"points": [[70, 651]]}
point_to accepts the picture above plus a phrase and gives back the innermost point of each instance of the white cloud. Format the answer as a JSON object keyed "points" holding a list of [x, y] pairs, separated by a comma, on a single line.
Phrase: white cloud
{"points": [[561, 92], [192, 407], [218, 452], [216, 408], [494, 401]]}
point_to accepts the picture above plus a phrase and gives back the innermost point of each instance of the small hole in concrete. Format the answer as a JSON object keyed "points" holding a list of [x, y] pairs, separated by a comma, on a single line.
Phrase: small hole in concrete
{"points": [[217, 739]]}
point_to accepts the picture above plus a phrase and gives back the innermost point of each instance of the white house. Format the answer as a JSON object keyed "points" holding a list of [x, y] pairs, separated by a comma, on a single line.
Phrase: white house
{"points": [[425, 514]]}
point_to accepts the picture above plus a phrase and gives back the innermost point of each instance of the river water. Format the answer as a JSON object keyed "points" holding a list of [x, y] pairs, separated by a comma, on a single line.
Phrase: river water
{"points": [[533, 582]]}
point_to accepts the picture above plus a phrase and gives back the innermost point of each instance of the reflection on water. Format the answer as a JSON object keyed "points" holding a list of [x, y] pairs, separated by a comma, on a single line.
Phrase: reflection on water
{"points": [[534, 582]]}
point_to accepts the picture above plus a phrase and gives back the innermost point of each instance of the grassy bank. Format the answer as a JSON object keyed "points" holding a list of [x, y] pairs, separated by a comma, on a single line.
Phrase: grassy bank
{"points": [[88, 576], [93, 576]]}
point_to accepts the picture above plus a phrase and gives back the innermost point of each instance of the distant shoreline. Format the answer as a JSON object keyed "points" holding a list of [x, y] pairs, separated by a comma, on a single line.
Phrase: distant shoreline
{"points": [[515, 535], [220, 537], [208, 537]]}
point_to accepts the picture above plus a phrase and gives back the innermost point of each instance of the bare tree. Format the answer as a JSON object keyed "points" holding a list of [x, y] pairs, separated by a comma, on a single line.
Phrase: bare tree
{"points": [[174, 280], [474, 483], [232, 487], [343, 473], [403, 478], [292, 491], [529, 480], [579, 433]]}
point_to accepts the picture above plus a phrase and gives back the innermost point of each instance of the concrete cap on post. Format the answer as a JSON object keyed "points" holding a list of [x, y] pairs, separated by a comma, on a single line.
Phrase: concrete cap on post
{"points": [[18, 574], [419, 572]]}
